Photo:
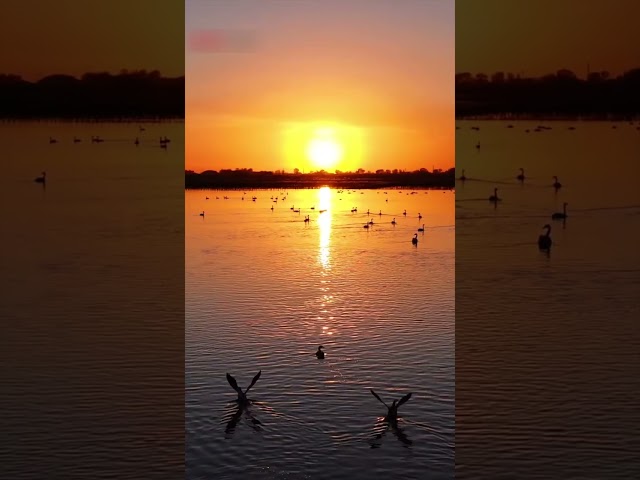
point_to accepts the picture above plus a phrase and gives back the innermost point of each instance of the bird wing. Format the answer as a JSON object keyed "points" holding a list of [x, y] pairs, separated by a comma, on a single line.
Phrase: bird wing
{"points": [[233, 383], [381, 401], [405, 399], [253, 382]]}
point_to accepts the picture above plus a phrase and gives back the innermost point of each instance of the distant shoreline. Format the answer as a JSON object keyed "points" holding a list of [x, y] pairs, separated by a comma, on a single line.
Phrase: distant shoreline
{"points": [[128, 95], [561, 94], [233, 180], [60, 119], [503, 117]]}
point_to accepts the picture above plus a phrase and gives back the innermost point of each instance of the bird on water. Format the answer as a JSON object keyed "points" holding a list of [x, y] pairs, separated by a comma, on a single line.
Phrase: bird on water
{"points": [[521, 176], [544, 240], [392, 411], [494, 197], [414, 240], [463, 177], [556, 183], [320, 353], [242, 396], [41, 179], [560, 215], [421, 229]]}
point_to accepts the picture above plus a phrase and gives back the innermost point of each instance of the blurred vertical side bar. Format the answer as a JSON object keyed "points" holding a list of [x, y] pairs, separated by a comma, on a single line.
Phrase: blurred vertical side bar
{"points": [[92, 252]]}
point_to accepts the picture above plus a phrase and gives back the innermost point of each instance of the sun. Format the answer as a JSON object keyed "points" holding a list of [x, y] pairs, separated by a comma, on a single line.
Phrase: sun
{"points": [[323, 150]]}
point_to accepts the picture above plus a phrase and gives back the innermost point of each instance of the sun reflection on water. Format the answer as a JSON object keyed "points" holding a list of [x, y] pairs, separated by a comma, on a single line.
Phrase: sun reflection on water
{"points": [[324, 224]]}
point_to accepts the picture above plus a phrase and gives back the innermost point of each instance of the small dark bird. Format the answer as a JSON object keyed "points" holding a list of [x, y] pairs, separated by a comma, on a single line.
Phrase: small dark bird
{"points": [[242, 396], [320, 353], [392, 411], [421, 229], [414, 240], [556, 184], [463, 177], [202, 214], [544, 241], [41, 179], [494, 197], [521, 176], [560, 215]]}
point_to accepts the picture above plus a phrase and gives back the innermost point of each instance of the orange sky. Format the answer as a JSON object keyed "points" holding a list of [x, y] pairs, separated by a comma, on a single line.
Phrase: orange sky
{"points": [[43, 37], [271, 75], [537, 37]]}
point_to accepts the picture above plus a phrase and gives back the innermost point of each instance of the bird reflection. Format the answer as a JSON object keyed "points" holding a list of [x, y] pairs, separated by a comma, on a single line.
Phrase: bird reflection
{"points": [[235, 416]]}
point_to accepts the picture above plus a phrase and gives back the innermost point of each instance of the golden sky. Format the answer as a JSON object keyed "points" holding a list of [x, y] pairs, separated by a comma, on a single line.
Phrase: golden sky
{"points": [[320, 84], [537, 37], [43, 37]]}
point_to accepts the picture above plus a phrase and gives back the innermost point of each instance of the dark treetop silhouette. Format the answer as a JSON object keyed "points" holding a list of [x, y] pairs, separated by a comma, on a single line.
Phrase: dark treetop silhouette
{"points": [[555, 95], [247, 178], [138, 94]]}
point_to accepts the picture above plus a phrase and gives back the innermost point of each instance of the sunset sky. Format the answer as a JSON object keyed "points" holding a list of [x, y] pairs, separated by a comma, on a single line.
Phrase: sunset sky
{"points": [[537, 37], [320, 84], [42, 37]]}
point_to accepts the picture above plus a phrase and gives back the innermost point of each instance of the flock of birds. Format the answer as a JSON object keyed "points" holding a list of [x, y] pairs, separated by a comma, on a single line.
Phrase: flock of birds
{"points": [[307, 218], [244, 402], [544, 240], [163, 142]]}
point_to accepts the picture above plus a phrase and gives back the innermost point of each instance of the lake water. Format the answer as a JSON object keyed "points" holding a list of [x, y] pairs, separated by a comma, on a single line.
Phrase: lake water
{"points": [[546, 345], [91, 293], [264, 289]]}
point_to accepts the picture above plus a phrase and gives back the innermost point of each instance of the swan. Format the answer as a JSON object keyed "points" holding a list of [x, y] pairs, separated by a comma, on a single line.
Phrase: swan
{"points": [[320, 353], [463, 177], [306, 219], [52, 140], [392, 411], [556, 184], [478, 145], [414, 240], [405, 213], [419, 216], [560, 215], [242, 396], [494, 197], [76, 140], [544, 241], [202, 214], [137, 142], [393, 222], [371, 222], [366, 225], [521, 176], [422, 228], [41, 179]]}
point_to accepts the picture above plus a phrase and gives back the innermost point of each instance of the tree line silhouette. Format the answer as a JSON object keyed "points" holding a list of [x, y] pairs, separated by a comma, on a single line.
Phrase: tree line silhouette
{"points": [[555, 95], [136, 94], [246, 178]]}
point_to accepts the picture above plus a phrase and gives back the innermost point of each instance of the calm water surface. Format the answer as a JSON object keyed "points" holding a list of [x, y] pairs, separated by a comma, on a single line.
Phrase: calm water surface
{"points": [[264, 289], [547, 344], [90, 290]]}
